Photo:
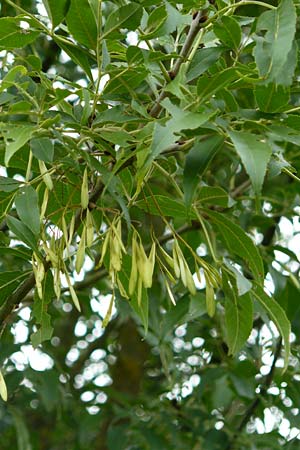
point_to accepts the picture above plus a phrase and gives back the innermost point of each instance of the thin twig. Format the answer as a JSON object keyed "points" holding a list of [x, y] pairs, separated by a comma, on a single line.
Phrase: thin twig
{"points": [[186, 48]]}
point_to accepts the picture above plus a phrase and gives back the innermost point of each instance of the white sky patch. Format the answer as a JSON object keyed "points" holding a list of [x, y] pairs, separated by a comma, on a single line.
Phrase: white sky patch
{"points": [[80, 329], [82, 82], [24, 25], [3, 172], [87, 396], [132, 38], [41, 9], [199, 284], [64, 57], [143, 45], [25, 313], [20, 331], [101, 304], [281, 256], [269, 285], [286, 228], [103, 380], [294, 244], [35, 358]]}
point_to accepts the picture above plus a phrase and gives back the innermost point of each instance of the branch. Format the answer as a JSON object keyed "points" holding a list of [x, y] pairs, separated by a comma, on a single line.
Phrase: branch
{"points": [[195, 27]]}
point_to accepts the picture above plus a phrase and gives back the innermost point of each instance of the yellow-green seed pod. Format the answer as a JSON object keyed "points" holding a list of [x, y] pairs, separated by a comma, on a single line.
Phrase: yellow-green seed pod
{"points": [[149, 268], [210, 299], [71, 229], [142, 262], [104, 249], [73, 293], [46, 176], [56, 283], [89, 229], [122, 289], [170, 293], [40, 273], [134, 268], [167, 257], [44, 204], [3, 389], [85, 191], [182, 269], [169, 275], [39, 288], [65, 231], [140, 291], [198, 273], [109, 311], [50, 255], [39, 277], [151, 258], [115, 262], [74, 298], [80, 252], [117, 233], [189, 279], [175, 260]]}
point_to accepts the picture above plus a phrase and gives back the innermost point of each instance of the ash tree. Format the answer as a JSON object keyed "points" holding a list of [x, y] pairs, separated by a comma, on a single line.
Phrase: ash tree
{"points": [[149, 225]]}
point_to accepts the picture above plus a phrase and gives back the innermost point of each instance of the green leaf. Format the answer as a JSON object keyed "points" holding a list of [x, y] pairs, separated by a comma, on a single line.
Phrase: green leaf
{"points": [[255, 155], [243, 285], [8, 184], [27, 207], [277, 315], [42, 148], [15, 137], [203, 59], [238, 315], [196, 162], [57, 10], [9, 281], [238, 243], [77, 55], [288, 299], [81, 23], [116, 114], [184, 120], [42, 318], [208, 85], [271, 51], [271, 97], [160, 204], [44, 333], [13, 36], [156, 20], [22, 232], [23, 436], [164, 20], [214, 195], [187, 309], [228, 31], [16, 252], [10, 78], [141, 310], [162, 138], [127, 16]]}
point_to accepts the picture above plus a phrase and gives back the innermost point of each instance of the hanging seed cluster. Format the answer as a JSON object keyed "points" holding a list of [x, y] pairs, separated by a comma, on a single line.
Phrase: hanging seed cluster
{"points": [[173, 266]]}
